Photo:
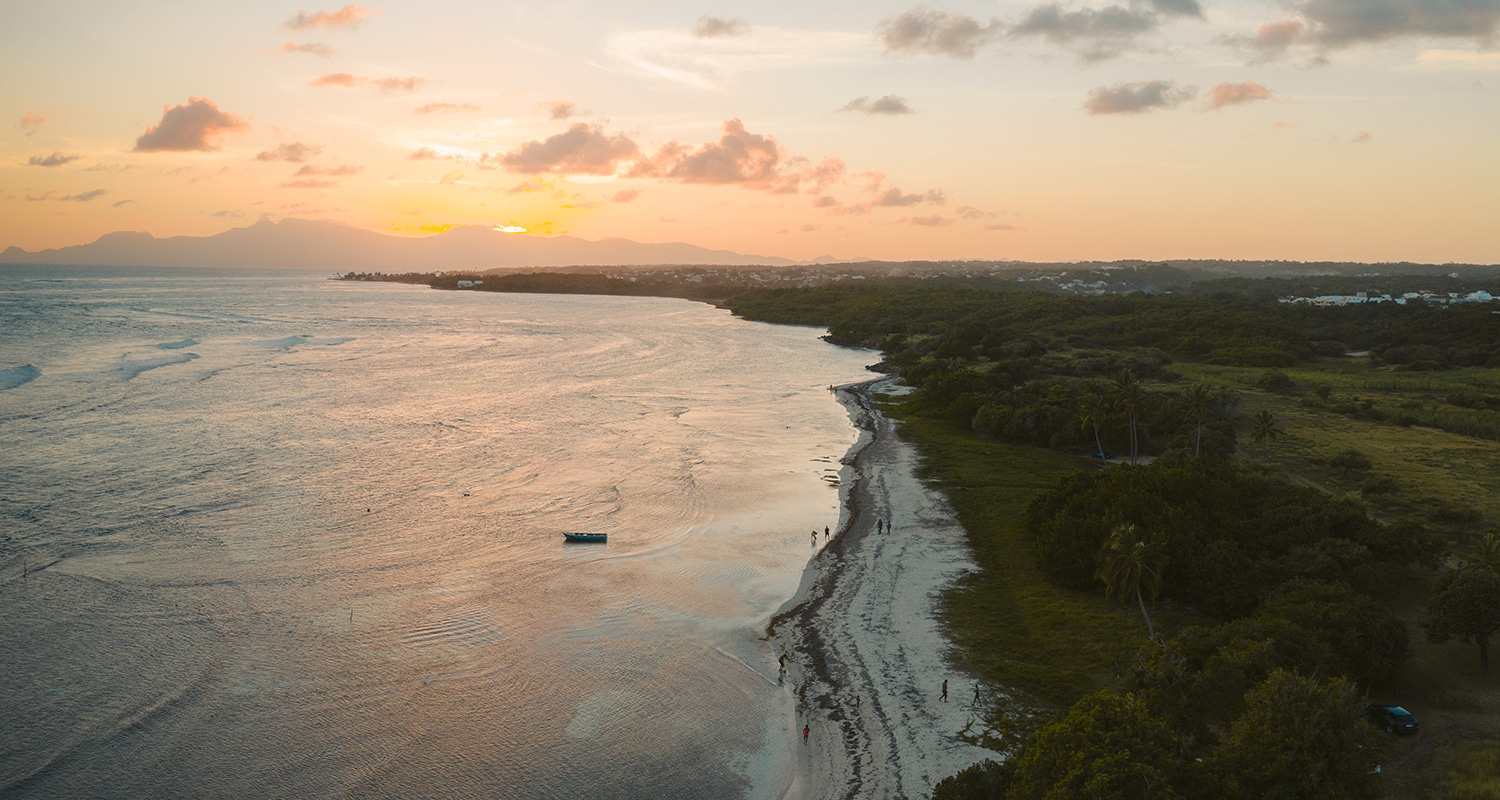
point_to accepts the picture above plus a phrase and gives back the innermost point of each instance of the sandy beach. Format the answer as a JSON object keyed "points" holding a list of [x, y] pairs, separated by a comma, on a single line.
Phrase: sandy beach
{"points": [[863, 647]]}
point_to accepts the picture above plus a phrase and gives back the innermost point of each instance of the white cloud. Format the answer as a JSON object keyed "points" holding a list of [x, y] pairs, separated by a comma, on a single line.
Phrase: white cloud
{"points": [[705, 63]]}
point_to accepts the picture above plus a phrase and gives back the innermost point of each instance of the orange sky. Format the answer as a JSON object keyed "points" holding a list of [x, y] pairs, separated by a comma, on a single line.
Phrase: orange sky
{"points": [[1305, 130]]}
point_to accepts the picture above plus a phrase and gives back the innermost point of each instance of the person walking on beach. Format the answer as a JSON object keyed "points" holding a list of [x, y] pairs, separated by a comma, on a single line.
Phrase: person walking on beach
{"points": [[945, 690], [805, 731], [825, 531], [815, 538]]}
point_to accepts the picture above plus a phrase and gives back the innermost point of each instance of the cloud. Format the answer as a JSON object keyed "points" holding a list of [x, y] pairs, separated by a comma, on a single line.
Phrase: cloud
{"points": [[31, 122], [1336, 24], [1100, 33], [295, 152], [531, 185], [423, 154], [349, 16], [739, 157], [197, 125], [626, 195], [1003, 228], [934, 221], [309, 183], [970, 212], [445, 108], [923, 30], [708, 27], [889, 104], [1230, 94], [895, 198], [1363, 137], [1138, 97], [581, 149], [398, 84], [309, 169], [37, 198], [340, 79], [311, 48], [122, 203], [83, 197], [676, 55], [826, 202], [54, 160], [344, 80], [1339, 23], [561, 109]]}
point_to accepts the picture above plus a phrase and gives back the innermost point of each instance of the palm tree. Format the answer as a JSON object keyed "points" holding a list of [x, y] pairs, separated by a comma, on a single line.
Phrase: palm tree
{"points": [[1487, 552], [1130, 399], [1263, 427], [1197, 404], [1129, 565], [1092, 407]]}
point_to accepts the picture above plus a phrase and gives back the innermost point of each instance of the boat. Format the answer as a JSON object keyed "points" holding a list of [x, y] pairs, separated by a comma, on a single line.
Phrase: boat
{"points": [[585, 537]]}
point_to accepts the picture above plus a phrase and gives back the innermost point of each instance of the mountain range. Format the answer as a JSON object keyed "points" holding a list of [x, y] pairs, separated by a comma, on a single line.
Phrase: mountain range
{"points": [[317, 244]]}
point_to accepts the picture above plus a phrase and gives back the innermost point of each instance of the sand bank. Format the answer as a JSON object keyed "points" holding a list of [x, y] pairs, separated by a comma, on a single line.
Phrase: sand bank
{"points": [[863, 647]]}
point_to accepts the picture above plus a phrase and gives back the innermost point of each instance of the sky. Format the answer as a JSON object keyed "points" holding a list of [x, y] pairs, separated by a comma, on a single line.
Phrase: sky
{"points": [[1358, 130]]}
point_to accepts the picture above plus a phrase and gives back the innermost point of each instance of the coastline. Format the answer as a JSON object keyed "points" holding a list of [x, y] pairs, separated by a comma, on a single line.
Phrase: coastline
{"points": [[864, 624]]}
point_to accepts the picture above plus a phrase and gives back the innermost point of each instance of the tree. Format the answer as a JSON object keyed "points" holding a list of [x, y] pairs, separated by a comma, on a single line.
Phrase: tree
{"points": [[1129, 565], [1131, 399], [986, 780], [1092, 407], [1465, 606], [1197, 405], [1487, 552], [1107, 747], [1263, 427], [1298, 738]]}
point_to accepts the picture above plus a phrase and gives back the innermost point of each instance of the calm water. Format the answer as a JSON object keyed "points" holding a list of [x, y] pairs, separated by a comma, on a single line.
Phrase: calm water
{"points": [[285, 536]]}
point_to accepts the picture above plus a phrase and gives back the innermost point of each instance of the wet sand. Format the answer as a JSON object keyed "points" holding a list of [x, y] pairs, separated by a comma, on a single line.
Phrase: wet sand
{"points": [[863, 647]]}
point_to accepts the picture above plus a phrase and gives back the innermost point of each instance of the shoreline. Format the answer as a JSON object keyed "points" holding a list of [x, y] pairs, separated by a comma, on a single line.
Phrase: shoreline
{"points": [[862, 639]]}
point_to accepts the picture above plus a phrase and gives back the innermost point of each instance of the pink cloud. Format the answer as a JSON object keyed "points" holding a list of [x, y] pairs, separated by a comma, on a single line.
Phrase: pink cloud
{"points": [[434, 108], [625, 195], [580, 150], [1362, 138], [197, 125], [309, 183], [31, 122], [1230, 94], [398, 84], [894, 197], [423, 154], [311, 48], [349, 16], [560, 109], [743, 158], [340, 79], [295, 152], [934, 221], [309, 169]]}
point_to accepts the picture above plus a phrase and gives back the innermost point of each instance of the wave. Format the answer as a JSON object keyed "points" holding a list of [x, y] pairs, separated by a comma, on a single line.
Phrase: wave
{"points": [[19, 376], [177, 345], [289, 342], [125, 368]]}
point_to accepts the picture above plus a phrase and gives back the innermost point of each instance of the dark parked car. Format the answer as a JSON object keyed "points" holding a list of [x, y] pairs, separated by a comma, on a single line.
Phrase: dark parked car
{"points": [[1394, 719]]}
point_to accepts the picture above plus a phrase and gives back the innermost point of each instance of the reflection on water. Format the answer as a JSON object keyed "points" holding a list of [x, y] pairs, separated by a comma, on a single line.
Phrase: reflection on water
{"points": [[272, 535]]}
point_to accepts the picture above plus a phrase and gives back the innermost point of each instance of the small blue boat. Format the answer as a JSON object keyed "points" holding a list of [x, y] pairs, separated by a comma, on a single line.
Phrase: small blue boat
{"points": [[585, 537]]}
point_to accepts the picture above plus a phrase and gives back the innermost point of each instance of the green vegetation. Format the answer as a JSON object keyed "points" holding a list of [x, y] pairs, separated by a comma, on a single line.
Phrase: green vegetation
{"points": [[1291, 516]]}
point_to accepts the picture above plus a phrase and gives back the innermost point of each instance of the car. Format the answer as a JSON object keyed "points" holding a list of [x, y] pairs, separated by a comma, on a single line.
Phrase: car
{"points": [[1394, 719]]}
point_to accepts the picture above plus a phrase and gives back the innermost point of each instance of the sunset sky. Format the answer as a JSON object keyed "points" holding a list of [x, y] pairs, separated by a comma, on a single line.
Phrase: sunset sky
{"points": [[1308, 129]]}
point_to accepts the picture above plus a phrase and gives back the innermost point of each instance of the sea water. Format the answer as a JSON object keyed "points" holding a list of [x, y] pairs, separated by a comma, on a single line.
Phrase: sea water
{"points": [[266, 534]]}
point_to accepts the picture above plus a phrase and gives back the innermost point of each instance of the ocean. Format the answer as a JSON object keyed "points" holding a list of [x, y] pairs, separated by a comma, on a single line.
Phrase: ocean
{"points": [[266, 534]]}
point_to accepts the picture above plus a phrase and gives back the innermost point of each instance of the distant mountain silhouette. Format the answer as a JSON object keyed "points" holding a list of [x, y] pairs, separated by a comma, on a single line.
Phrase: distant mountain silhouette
{"points": [[309, 244]]}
